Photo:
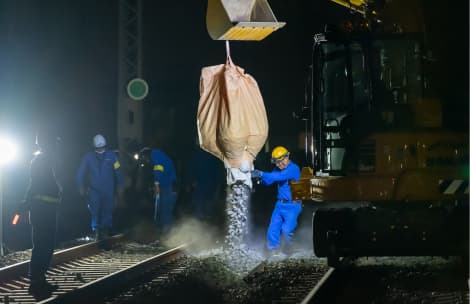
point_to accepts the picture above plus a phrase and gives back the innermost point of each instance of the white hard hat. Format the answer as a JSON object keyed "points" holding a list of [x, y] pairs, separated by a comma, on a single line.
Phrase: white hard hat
{"points": [[99, 141]]}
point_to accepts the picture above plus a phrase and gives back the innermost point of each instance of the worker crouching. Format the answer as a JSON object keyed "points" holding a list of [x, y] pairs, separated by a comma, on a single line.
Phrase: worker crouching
{"points": [[163, 180]]}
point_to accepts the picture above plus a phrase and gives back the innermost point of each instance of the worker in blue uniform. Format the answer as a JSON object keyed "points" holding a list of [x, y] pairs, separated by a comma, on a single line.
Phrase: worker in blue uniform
{"points": [[97, 177], [286, 211], [42, 200], [164, 187]]}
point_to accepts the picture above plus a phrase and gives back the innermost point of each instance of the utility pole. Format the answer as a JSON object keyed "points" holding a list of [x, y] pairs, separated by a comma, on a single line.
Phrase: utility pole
{"points": [[131, 87]]}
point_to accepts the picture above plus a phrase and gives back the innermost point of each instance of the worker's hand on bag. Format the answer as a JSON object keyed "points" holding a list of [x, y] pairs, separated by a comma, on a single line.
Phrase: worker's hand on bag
{"points": [[256, 174]]}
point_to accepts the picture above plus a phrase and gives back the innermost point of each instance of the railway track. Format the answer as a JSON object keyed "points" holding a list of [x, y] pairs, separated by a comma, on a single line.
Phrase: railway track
{"points": [[83, 271], [136, 273], [293, 282], [186, 280]]}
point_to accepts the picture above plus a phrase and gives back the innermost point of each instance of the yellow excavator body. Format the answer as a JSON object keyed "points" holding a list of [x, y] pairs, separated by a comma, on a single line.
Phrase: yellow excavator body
{"points": [[406, 167], [390, 178]]}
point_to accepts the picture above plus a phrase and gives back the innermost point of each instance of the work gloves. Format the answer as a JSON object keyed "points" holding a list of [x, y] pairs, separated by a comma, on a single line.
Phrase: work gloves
{"points": [[256, 174]]}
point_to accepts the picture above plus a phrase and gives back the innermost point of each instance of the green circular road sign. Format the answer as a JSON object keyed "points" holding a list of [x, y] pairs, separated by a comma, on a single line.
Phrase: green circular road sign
{"points": [[137, 89]]}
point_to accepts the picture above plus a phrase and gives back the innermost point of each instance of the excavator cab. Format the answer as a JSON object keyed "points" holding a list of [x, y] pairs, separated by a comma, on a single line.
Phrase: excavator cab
{"points": [[363, 86], [240, 19], [381, 152]]}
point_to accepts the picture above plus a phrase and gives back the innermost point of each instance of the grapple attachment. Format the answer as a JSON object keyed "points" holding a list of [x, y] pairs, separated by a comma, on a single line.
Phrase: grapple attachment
{"points": [[240, 19]]}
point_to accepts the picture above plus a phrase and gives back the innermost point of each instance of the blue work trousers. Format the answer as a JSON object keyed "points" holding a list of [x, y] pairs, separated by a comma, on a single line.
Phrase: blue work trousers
{"points": [[283, 222], [101, 208], [163, 212]]}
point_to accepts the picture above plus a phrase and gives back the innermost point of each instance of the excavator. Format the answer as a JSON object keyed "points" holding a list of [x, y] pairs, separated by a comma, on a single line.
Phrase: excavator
{"points": [[390, 178]]}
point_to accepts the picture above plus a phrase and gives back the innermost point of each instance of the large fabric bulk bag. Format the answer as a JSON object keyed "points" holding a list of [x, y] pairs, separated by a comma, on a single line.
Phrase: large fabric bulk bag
{"points": [[231, 119]]}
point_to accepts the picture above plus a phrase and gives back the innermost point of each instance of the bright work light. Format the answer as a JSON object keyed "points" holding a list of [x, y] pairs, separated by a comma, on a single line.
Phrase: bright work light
{"points": [[7, 150], [7, 154]]}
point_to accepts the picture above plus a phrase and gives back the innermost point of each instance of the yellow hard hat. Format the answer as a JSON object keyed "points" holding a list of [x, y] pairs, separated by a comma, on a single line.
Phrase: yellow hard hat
{"points": [[278, 154]]}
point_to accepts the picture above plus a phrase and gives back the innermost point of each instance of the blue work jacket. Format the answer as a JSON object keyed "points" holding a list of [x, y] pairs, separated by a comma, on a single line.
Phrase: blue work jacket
{"points": [[100, 172], [282, 177], [163, 169]]}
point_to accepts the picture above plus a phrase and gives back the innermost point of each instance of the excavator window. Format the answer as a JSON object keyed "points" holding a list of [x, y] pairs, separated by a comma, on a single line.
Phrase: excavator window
{"points": [[366, 86], [397, 70]]}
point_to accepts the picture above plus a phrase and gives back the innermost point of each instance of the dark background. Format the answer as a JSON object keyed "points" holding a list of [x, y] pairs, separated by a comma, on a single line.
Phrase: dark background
{"points": [[59, 65]]}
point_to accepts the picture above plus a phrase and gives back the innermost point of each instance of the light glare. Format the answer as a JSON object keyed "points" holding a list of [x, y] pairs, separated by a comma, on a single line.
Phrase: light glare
{"points": [[7, 150]]}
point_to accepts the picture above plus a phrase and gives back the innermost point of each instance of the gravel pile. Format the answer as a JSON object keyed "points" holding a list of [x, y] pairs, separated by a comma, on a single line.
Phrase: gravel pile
{"points": [[15, 257], [139, 248], [214, 277], [404, 280], [239, 261]]}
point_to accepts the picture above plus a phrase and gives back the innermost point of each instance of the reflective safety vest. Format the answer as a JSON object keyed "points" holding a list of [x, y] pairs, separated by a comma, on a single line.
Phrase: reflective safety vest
{"points": [[47, 198]]}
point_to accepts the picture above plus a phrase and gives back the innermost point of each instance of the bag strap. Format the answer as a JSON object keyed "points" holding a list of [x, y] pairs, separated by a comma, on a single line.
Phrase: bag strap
{"points": [[227, 51]]}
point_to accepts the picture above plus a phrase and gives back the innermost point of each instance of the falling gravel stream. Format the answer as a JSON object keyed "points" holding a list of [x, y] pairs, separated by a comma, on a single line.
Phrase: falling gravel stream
{"points": [[237, 203]]}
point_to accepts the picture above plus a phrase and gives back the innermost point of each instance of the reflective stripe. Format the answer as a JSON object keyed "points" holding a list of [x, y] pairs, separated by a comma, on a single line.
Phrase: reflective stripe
{"points": [[117, 165], [47, 198], [453, 186], [158, 168], [288, 202]]}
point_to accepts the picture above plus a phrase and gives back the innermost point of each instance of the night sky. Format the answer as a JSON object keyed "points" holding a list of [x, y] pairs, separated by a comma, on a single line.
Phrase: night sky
{"points": [[58, 67]]}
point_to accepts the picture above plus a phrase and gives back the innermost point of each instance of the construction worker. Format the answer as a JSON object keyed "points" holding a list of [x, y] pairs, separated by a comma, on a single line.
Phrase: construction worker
{"points": [[164, 187], [97, 176], [286, 211], [42, 200]]}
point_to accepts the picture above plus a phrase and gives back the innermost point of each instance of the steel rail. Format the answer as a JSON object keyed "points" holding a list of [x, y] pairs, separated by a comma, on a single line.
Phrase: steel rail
{"points": [[298, 287], [325, 280], [115, 281], [70, 268], [61, 256], [318, 286]]}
